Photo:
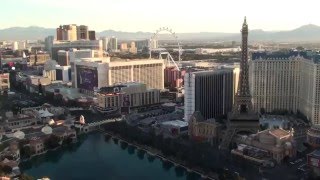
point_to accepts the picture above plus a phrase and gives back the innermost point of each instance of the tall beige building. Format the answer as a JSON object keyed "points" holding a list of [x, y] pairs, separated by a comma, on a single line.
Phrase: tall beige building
{"points": [[148, 71], [82, 32], [127, 94], [4, 82], [133, 48], [286, 82], [67, 32], [124, 47]]}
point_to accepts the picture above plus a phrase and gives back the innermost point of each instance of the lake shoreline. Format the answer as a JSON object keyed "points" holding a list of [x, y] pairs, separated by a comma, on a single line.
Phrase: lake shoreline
{"points": [[104, 158], [155, 152]]}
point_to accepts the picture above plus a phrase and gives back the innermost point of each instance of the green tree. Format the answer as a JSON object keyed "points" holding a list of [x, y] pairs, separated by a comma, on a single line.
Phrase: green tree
{"points": [[67, 140], [26, 177], [3, 146], [52, 142], [18, 66], [25, 152], [6, 169], [264, 126]]}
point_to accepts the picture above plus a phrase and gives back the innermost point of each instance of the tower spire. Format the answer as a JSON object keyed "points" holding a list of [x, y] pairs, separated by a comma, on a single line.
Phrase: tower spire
{"points": [[242, 117], [243, 98]]}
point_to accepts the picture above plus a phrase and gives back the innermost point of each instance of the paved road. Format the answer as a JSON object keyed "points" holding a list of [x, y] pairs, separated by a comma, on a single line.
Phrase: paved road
{"points": [[285, 171]]}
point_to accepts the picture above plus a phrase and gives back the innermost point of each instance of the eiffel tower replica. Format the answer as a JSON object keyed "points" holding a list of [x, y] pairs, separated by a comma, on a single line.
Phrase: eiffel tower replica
{"points": [[242, 117]]}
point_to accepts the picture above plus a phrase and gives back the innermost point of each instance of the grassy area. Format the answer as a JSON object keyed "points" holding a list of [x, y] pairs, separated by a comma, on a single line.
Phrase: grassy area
{"points": [[4, 104], [3, 146], [3, 100]]}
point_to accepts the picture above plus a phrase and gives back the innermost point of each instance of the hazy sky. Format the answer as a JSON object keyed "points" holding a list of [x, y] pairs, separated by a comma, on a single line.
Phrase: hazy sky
{"points": [[149, 15]]}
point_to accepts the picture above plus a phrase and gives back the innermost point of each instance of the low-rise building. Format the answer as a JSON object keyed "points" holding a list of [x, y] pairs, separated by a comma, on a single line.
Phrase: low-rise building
{"points": [[172, 128], [37, 145], [313, 136], [126, 95], [12, 152], [20, 121], [278, 143], [79, 44], [4, 82], [63, 58], [253, 154], [35, 84], [201, 129], [36, 59], [45, 115], [45, 111], [64, 132], [313, 161], [13, 165], [217, 51], [287, 122]]}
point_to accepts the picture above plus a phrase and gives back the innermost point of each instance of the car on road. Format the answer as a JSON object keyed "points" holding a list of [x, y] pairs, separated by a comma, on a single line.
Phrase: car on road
{"points": [[303, 168], [296, 161]]}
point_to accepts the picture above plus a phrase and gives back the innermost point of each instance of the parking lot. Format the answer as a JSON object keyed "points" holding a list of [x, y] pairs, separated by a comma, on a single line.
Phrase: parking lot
{"points": [[295, 169]]}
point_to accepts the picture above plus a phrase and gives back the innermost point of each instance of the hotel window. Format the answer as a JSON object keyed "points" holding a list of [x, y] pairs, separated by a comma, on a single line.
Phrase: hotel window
{"points": [[142, 98], [117, 101], [149, 97], [108, 99]]}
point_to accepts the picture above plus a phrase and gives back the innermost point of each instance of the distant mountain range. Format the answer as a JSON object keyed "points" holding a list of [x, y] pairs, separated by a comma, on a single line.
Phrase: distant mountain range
{"points": [[306, 33]]}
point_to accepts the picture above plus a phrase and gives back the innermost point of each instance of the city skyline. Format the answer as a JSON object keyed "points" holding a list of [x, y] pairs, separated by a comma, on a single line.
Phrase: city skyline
{"points": [[130, 16]]}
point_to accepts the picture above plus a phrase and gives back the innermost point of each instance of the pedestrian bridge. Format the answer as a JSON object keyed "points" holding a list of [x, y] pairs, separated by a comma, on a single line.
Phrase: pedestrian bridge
{"points": [[105, 121], [92, 126]]}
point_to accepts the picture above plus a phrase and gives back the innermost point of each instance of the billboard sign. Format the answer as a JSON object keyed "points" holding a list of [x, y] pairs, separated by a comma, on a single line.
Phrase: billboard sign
{"points": [[87, 78]]}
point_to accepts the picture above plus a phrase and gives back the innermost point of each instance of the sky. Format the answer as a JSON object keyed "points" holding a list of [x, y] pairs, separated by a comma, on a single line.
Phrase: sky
{"points": [[149, 15]]}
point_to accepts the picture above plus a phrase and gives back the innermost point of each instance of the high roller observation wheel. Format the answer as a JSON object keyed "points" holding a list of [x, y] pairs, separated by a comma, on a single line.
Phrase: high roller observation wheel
{"points": [[175, 37]]}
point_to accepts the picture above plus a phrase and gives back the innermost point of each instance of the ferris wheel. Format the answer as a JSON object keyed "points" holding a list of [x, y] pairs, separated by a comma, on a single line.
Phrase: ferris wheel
{"points": [[153, 47]]}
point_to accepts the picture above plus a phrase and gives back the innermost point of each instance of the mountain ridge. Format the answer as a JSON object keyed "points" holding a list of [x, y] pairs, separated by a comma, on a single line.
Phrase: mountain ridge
{"points": [[306, 33]]}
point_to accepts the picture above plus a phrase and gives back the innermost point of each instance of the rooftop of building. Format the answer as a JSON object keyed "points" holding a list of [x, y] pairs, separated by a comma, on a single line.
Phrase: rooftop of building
{"points": [[116, 59], [198, 116], [45, 113], [67, 92], [128, 84], [36, 134], [280, 55], [74, 41], [316, 127], [38, 139], [177, 123], [10, 163], [315, 153], [217, 70], [279, 133], [109, 89], [113, 89], [20, 117]]}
